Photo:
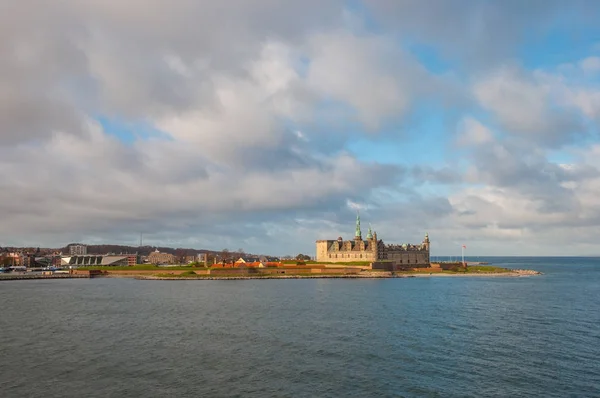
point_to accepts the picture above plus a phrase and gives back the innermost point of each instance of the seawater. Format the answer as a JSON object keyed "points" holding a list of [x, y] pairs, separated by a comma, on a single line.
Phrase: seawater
{"points": [[413, 337]]}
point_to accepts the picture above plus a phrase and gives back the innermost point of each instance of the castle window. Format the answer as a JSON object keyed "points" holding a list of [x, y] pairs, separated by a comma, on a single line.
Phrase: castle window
{"points": [[361, 256]]}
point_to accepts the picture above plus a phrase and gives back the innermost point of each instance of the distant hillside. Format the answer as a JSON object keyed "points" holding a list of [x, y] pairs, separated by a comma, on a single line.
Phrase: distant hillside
{"points": [[144, 250]]}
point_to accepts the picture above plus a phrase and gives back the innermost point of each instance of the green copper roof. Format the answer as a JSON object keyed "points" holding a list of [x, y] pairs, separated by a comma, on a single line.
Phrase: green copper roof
{"points": [[357, 234]]}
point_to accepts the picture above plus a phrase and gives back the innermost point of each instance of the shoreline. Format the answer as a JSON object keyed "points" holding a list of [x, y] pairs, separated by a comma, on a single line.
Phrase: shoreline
{"points": [[378, 275], [362, 275]]}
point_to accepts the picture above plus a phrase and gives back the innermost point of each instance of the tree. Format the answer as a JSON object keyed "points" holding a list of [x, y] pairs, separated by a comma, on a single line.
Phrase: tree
{"points": [[240, 253], [225, 255], [302, 257], [210, 258]]}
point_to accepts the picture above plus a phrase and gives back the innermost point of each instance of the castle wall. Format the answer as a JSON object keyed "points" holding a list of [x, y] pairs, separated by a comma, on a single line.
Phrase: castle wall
{"points": [[322, 246], [411, 258], [348, 256], [343, 252], [373, 250]]}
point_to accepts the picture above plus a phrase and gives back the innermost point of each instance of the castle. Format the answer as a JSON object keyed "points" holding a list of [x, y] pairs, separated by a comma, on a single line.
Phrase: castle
{"points": [[373, 249]]}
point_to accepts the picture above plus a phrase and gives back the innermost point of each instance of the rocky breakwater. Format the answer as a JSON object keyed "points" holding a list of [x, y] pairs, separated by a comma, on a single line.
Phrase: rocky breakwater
{"points": [[525, 272]]}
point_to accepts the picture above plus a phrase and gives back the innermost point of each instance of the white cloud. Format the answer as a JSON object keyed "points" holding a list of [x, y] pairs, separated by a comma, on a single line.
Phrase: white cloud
{"points": [[472, 132], [590, 65], [524, 105], [367, 72]]}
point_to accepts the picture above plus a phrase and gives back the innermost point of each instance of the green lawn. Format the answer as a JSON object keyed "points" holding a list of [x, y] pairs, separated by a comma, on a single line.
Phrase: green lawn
{"points": [[477, 269], [188, 274], [486, 268]]}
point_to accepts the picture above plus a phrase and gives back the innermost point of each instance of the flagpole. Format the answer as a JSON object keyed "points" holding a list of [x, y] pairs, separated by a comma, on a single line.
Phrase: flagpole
{"points": [[463, 254]]}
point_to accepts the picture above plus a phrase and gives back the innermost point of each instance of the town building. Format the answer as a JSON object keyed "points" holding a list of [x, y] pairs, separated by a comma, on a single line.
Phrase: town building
{"points": [[132, 259], [247, 260], [14, 259], [77, 249], [158, 258], [269, 259], [372, 250]]}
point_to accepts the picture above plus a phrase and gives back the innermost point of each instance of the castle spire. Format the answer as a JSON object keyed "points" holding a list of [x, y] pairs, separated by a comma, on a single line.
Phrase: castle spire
{"points": [[357, 234], [370, 233]]}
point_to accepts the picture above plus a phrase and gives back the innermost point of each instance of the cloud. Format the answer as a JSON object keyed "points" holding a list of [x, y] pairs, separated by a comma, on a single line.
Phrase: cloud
{"points": [[524, 105], [254, 105], [590, 65], [95, 185], [472, 132], [368, 73], [479, 34]]}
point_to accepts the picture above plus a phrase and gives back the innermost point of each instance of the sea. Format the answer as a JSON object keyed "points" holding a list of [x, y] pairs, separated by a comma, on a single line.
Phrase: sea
{"points": [[536, 336]]}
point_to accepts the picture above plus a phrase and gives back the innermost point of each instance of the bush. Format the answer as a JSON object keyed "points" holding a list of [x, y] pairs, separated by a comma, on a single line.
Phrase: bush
{"points": [[188, 273]]}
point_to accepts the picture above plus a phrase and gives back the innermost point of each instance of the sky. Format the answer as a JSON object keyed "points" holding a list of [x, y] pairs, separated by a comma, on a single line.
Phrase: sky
{"points": [[266, 125]]}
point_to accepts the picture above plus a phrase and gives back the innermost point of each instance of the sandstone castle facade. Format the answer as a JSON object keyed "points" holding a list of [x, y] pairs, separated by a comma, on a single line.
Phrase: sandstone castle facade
{"points": [[373, 249]]}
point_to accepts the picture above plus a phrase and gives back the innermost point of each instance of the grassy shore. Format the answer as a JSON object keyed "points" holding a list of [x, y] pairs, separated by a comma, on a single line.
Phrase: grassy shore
{"points": [[486, 268], [470, 271], [189, 272]]}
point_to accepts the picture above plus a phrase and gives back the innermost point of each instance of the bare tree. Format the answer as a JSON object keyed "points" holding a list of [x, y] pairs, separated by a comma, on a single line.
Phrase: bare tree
{"points": [[225, 255]]}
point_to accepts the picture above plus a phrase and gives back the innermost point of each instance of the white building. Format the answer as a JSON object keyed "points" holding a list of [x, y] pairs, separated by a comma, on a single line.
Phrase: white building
{"points": [[78, 250], [90, 260]]}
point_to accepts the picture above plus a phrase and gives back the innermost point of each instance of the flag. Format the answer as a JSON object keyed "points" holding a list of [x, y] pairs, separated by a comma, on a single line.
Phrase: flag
{"points": [[464, 247]]}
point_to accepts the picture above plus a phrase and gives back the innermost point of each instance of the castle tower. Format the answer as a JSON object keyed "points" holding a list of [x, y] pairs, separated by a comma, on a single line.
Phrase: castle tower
{"points": [[426, 244], [357, 234], [370, 234]]}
